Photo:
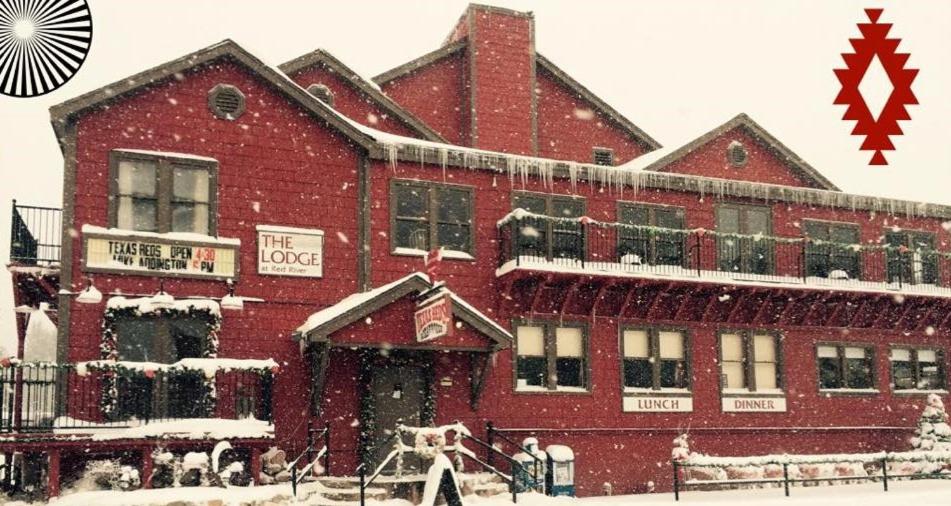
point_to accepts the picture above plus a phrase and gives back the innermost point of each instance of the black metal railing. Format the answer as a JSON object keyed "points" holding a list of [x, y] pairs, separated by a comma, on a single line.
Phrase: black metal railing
{"points": [[44, 397], [35, 234], [311, 455], [583, 245], [495, 438], [875, 467]]}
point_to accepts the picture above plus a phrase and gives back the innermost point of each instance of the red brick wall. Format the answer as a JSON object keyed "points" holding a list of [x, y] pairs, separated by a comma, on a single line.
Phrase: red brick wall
{"points": [[277, 166], [569, 127], [353, 103], [437, 94]]}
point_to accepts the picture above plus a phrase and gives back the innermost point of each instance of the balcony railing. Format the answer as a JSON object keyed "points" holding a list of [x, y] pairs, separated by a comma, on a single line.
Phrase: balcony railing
{"points": [[70, 398], [585, 246], [35, 234]]}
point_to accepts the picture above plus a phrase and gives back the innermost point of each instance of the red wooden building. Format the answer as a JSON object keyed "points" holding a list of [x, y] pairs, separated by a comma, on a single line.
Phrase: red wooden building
{"points": [[606, 293]]}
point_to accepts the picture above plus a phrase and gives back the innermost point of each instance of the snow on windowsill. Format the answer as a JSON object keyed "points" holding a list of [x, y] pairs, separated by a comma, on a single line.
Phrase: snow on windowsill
{"points": [[447, 254], [858, 391], [765, 392], [535, 389], [663, 391], [209, 366], [170, 236], [915, 391]]}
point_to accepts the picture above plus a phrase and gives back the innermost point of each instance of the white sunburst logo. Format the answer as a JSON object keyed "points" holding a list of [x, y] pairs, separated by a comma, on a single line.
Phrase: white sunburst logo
{"points": [[42, 44]]}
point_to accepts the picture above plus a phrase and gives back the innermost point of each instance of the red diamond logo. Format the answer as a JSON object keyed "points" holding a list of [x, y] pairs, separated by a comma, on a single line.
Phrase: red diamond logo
{"points": [[880, 125]]}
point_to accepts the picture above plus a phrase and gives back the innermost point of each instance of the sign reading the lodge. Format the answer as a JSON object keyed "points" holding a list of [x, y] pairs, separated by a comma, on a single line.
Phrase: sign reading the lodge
{"points": [[434, 320], [160, 256], [286, 251], [749, 404], [658, 404]]}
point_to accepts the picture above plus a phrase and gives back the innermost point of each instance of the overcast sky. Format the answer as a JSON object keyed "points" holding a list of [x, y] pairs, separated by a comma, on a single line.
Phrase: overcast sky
{"points": [[675, 68]]}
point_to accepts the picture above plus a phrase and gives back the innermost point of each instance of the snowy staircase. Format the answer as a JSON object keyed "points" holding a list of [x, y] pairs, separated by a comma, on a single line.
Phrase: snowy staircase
{"points": [[345, 490]]}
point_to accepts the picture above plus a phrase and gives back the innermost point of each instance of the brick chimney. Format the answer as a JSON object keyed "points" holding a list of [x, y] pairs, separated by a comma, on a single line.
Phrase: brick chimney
{"points": [[501, 74]]}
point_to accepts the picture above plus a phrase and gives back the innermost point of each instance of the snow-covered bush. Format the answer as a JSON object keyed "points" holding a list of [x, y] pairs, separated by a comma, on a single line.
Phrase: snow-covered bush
{"points": [[107, 474], [933, 431]]}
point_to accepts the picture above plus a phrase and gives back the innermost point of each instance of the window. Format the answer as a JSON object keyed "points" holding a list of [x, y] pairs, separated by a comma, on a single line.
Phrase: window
{"points": [[844, 367], [749, 361], [654, 359], [911, 257], [832, 252], [603, 156], [550, 357], [161, 193], [161, 340], [744, 249], [918, 369], [651, 247], [428, 216], [546, 238]]}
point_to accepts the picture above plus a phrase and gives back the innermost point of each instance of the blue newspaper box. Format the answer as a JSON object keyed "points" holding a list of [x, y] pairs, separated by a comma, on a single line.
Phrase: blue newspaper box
{"points": [[560, 479]]}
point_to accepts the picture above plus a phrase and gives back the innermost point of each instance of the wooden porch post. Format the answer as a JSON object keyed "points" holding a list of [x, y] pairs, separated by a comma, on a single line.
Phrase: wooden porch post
{"points": [[146, 468], [53, 485], [256, 465]]}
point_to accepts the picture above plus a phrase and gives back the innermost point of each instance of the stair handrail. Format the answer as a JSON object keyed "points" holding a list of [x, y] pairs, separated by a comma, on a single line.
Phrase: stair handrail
{"points": [[324, 452], [492, 432]]}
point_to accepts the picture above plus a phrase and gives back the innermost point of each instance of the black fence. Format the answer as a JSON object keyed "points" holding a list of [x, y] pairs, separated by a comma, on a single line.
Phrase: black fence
{"points": [[43, 397], [872, 469], [587, 246], [35, 234]]}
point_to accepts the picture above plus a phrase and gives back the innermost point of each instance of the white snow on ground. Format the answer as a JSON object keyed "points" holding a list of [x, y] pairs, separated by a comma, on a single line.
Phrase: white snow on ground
{"points": [[919, 493]]}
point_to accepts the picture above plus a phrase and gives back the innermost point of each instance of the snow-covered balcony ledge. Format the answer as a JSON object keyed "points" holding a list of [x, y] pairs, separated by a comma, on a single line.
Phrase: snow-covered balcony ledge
{"points": [[587, 247], [137, 399]]}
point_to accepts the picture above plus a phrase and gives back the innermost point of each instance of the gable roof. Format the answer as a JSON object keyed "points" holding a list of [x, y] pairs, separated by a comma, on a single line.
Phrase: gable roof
{"points": [[660, 161], [418, 63], [358, 306], [368, 88], [566, 80], [227, 49]]}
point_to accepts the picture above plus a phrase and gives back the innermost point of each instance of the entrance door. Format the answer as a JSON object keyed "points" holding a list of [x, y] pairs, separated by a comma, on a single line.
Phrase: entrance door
{"points": [[398, 393]]}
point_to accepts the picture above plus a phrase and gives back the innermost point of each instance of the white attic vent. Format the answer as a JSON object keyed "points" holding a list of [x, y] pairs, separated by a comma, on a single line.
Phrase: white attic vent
{"points": [[226, 102], [322, 91]]}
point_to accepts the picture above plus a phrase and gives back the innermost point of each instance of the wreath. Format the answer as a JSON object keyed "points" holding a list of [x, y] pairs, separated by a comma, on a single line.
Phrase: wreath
{"points": [[429, 444]]}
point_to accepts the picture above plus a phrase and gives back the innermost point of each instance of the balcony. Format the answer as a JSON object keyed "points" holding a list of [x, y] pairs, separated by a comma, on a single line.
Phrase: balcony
{"points": [[126, 399], [35, 235], [582, 246]]}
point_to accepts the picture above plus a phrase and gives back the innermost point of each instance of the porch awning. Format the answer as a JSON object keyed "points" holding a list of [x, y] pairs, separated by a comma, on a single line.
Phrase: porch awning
{"points": [[320, 325]]}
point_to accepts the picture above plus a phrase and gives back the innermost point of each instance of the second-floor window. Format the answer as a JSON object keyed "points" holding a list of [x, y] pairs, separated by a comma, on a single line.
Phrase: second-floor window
{"points": [[654, 359], [918, 369], [550, 356], [549, 238], [749, 361], [428, 216], [845, 367], [162, 193], [911, 257], [744, 245], [831, 253], [659, 245]]}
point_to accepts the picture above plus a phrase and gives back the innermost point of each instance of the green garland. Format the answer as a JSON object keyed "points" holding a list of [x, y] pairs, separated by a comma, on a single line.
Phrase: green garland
{"points": [[109, 350]]}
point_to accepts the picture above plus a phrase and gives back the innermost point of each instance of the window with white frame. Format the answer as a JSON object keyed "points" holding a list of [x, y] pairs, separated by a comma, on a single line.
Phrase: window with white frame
{"points": [[550, 356], [749, 361], [845, 367], [654, 359], [917, 369]]}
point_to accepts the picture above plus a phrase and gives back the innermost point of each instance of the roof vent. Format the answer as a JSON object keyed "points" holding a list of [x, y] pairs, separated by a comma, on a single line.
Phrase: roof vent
{"points": [[737, 155], [603, 156], [226, 102], [322, 91]]}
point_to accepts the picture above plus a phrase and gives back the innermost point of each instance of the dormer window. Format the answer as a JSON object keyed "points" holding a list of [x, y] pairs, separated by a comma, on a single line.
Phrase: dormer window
{"points": [[156, 192], [603, 156]]}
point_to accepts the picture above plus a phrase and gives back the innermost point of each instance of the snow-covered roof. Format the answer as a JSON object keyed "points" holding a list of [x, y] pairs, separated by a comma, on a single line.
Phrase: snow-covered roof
{"points": [[145, 305], [360, 305]]}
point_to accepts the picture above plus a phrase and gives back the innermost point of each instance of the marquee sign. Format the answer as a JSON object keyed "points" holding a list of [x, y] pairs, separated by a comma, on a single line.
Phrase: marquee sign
{"points": [[754, 404], [658, 404], [287, 251], [434, 320], [156, 255]]}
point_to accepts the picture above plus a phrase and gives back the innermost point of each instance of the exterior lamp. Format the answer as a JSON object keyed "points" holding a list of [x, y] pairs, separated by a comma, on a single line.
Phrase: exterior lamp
{"points": [[89, 295], [230, 301], [162, 300]]}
